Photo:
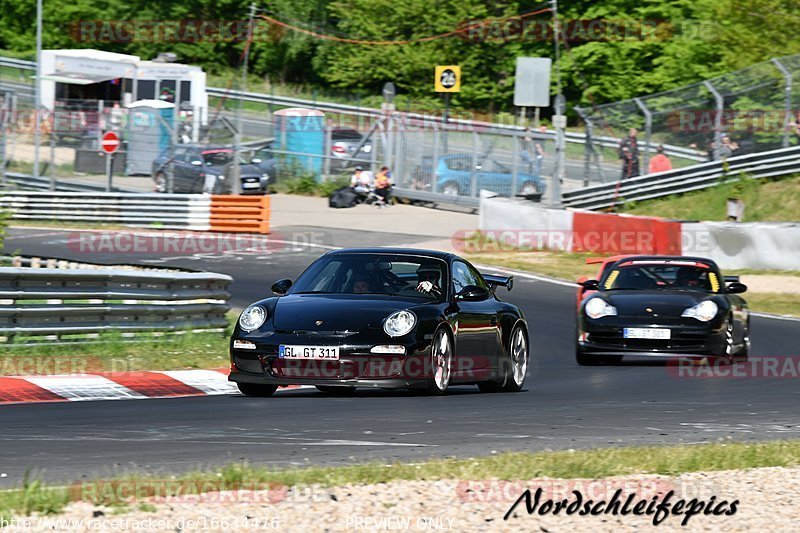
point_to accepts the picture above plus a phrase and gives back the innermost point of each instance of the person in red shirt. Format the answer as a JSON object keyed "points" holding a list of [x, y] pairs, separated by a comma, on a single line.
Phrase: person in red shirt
{"points": [[660, 162]]}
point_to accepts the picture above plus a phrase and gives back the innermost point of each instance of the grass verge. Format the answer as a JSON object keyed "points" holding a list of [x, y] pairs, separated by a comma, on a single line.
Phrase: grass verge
{"points": [[36, 497], [764, 199], [113, 353]]}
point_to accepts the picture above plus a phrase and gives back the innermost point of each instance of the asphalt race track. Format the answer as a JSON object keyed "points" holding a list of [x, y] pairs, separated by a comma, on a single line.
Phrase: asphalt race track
{"points": [[563, 406]]}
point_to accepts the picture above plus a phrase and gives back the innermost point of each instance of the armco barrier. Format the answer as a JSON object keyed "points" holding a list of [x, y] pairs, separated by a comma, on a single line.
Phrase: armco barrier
{"points": [[198, 212], [781, 162], [732, 245], [80, 302]]}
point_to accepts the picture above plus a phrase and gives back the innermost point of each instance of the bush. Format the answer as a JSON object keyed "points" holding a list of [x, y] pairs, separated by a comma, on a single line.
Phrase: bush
{"points": [[309, 186]]}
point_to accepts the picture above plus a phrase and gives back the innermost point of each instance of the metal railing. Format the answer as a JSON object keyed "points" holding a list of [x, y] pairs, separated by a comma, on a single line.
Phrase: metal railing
{"points": [[26, 182], [759, 165], [166, 210], [71, 304]]}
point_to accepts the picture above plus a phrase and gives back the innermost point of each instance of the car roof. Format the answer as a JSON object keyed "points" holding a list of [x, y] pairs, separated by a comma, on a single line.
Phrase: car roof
{"points": [[395, 251]]}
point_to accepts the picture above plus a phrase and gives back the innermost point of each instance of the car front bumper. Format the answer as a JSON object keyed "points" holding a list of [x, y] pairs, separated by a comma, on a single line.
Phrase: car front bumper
{"points": [[356, 366], [688, 337]]}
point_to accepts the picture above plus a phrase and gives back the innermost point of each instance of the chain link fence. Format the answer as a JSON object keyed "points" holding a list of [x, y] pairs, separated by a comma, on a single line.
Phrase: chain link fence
{"points": [[751, 110]]}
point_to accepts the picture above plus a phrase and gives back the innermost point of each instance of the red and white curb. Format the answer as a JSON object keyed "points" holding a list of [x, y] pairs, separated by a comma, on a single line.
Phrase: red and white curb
{"points": [[117, 386]]}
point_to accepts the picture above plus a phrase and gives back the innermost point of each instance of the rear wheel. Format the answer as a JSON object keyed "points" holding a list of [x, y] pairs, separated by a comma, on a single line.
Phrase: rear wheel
{"points": [[450, 188], [514, 367], [336, 390], [253, 389], [744, 352], [441, 362]]}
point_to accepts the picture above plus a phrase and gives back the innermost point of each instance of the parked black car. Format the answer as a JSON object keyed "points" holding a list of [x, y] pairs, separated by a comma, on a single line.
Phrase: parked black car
{"points": [[382, 317], [662, 306], [205, 169], [265, 159]]}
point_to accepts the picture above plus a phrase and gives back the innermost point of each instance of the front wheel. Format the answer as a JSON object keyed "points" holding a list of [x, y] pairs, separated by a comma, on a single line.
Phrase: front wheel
{"points": [[161, 182], [529, 188], [253, 389], [441, 362]]}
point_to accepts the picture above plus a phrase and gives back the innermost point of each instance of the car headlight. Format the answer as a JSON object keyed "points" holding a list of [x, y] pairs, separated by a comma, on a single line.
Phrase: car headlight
{"points": [[704, 311], [265, 176], [598, 308], [399, 323], [252, 318]]}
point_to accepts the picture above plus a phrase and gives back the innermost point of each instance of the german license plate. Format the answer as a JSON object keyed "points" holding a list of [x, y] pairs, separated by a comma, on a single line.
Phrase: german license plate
{"points": [[312, 353], [251, 185], [646, 333]]}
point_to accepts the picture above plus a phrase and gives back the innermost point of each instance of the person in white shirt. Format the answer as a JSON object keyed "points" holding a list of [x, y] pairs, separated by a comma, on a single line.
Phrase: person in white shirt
{"points": [[361, 182]]}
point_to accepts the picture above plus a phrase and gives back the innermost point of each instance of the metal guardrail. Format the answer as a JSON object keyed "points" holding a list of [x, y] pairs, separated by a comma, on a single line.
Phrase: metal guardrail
{"points": [[166, 210], [62, 304], [27, 182], [758, 165]]}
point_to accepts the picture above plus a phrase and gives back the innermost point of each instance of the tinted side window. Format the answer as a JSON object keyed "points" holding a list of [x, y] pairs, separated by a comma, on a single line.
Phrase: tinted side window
{"points": [[464, 275]]}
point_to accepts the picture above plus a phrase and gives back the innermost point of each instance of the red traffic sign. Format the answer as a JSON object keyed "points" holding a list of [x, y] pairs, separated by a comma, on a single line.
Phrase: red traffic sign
{"points": [[110, 142]]}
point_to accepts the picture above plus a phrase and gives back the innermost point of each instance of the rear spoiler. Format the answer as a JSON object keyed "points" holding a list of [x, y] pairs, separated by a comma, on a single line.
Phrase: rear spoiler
{"points": [[495, 281], [731, 279]]}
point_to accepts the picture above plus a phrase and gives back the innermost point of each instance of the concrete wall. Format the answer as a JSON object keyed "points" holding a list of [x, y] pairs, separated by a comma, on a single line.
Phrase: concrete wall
{"points": [[757, 245]]}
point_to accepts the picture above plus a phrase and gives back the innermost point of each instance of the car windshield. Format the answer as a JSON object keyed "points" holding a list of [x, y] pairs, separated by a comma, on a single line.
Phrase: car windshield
{"points": [[687, 276], [386, 274], [219, 158]]}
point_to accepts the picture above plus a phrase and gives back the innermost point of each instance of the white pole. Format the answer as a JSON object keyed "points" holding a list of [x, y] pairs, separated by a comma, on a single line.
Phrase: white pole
{"points": [[37, 133]]}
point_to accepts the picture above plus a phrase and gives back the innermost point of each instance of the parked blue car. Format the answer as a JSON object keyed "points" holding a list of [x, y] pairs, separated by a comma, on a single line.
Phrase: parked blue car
{"points": [[454, 175]]}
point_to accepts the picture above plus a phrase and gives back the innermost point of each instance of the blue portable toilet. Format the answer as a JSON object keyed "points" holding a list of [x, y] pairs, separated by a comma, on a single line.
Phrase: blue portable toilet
{"points": [[148, 134], [302, 131]]}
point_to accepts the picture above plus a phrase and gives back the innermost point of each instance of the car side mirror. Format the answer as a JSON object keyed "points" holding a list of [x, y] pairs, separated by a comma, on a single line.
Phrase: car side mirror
{"points": [[255, 160], [472, 293], [736, 288], [281, 286], [197, 163], [590, 284]]}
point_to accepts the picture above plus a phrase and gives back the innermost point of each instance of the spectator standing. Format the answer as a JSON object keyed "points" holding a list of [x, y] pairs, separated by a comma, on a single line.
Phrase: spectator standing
{"points": [[528, 149], [629, 154], [727, 148], [538, 147], [795, 128], [660, 162]]}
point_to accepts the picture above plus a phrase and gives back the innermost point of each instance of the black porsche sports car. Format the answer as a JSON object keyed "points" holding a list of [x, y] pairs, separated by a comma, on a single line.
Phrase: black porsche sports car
{"points": [[384, 317], [662, 306]]}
